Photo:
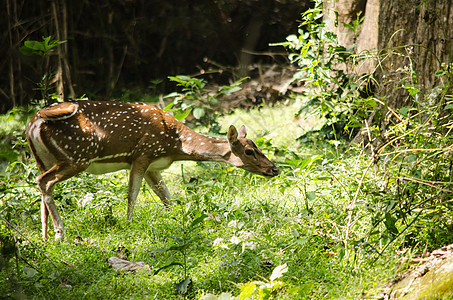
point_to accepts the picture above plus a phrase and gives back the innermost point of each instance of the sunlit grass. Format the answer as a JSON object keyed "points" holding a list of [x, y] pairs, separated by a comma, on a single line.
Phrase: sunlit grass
{"points": [[254, 224]]}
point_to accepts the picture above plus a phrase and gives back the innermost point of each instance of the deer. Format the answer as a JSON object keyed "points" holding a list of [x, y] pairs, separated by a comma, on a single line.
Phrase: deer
{"points": [[100, 137]]}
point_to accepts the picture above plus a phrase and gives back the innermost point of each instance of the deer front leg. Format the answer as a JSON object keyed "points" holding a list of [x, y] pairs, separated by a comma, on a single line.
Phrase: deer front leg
{"points": [[44, 218], [135, 181], [154, 180]]}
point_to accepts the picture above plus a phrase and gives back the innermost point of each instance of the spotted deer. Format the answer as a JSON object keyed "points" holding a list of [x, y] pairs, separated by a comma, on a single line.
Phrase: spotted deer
{"points": [[100, 137]]}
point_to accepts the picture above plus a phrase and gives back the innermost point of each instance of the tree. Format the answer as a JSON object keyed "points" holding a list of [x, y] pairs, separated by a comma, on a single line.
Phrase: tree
{"points": [[416, 32]]}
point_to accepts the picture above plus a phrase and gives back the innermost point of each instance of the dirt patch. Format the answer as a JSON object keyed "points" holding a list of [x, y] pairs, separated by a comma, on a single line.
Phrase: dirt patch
{"points": [[268, 84]]}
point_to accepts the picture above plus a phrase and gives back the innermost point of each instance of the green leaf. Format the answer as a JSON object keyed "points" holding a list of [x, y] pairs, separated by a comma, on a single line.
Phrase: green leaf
{"points": [[177, 239], [35, 45], [304, 163], [342, 252], [198, 113], [184, 285], [311, 195], [265, 294], [449, 106], [29, 272], [302, 241], [177, 248], [390, 222], [169, 106], [247, 290], [198, 220], [26, 51], [405, 109], [182, 115], [278, 272], [322, 178]]}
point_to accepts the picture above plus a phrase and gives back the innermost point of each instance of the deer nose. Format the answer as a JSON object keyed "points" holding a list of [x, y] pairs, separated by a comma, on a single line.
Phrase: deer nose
{"points": [[274, 171]]}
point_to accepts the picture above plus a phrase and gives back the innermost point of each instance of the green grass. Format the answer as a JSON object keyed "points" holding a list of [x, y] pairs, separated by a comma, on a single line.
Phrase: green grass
{"points": [[299, 218]]}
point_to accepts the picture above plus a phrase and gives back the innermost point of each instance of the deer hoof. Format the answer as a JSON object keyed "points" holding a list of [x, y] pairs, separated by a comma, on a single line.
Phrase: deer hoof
{"points": [[58, 235]]}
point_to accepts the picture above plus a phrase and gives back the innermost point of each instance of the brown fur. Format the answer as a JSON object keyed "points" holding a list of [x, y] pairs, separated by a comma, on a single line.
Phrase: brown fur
{"points": [[58, 111]]}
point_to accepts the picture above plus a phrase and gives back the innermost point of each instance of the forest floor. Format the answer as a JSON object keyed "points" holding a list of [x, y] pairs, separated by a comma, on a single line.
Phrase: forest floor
{"points": [[231, 232]]}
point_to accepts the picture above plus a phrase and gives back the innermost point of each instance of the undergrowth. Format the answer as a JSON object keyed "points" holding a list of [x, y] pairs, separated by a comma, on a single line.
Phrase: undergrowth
{"points": [[333, 224], [253, 225]]}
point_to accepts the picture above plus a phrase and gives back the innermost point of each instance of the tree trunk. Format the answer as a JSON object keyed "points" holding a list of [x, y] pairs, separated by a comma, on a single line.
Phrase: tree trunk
{"points": [[408, 35], [366, 39], [421, 34]]}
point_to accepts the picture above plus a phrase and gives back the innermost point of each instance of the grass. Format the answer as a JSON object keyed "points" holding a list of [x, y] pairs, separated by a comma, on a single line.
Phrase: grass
{"points": [[300, 218]]}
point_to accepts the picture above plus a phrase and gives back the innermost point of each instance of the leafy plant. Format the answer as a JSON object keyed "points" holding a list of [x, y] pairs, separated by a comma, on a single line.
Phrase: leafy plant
{"points": [[181, 246], [43, 49], [335, 92], [273, 225], [412, 150], [416, 159], [196, 99], [40, 48], [262, 290]]}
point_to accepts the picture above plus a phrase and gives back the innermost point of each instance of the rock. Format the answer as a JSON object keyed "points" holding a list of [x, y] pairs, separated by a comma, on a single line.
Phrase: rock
{"points": [[119, 264], [431, 279]]}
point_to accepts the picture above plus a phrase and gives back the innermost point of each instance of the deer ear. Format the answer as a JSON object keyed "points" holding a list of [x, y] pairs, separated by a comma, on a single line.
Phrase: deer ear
{"points": [[232, 135], [242, 132]]}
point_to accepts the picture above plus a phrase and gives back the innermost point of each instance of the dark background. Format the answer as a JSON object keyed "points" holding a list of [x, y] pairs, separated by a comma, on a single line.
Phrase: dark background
{"points": [[130, 45]]}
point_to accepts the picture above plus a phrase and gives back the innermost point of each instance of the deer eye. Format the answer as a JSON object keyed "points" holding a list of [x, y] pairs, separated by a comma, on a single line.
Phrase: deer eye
{"points": [[248, 152]]}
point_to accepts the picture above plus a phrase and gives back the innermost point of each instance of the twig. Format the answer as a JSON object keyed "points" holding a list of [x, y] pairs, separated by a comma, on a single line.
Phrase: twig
{"points": [[33, 244], [352, 204], [418, 150], [429, 183]]}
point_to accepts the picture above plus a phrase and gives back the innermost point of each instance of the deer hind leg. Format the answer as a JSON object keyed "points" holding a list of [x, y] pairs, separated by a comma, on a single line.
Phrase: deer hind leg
{"points": [[46, 183], [154, 180]]}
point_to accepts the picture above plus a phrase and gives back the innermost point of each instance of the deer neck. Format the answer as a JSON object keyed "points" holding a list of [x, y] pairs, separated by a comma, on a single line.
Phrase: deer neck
{"points": [[199, 147]]}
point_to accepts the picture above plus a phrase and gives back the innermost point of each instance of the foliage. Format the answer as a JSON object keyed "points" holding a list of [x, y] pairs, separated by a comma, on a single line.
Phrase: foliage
{"points": [[409, 146], [12, 139], [196, 99], [262, 290], [253, 225], [415, 157], [332, 225], [182, 244], [326, 67], [43, 49], [123, 45]]}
